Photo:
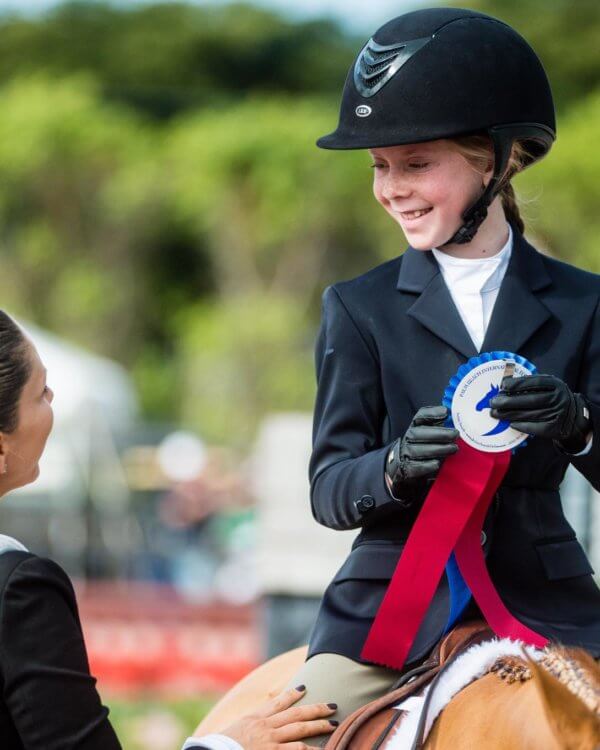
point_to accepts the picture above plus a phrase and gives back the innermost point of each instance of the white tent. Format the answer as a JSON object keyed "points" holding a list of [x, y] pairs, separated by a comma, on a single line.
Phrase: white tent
{"points": [[94, 400]]}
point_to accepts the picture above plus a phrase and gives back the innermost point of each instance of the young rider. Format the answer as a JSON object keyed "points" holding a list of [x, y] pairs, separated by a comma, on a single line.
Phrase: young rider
{"points": [[450, 104]]}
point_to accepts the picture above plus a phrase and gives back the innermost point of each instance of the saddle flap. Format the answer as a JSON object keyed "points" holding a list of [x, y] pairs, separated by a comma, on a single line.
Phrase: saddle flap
{"points": [[463, 635], [352, 732], [369, 726]]}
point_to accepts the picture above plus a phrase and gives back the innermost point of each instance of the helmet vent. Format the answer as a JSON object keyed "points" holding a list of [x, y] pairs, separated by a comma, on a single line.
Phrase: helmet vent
{"points": [[378, 63]]}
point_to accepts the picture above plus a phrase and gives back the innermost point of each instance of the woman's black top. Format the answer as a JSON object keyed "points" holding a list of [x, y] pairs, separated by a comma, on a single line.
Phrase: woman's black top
{"points": [[49, 699]]}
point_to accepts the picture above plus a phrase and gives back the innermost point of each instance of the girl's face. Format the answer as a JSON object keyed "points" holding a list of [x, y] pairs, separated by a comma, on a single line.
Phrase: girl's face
{"points": [[426, 187], [23, 447]]}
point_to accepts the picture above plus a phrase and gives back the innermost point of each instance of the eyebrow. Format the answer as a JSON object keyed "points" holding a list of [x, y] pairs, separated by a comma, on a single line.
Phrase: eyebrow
{"points": [[413, 152]]}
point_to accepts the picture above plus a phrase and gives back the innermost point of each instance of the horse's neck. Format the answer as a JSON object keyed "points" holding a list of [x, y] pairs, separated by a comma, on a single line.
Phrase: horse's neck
{"points": [[519, 718]]}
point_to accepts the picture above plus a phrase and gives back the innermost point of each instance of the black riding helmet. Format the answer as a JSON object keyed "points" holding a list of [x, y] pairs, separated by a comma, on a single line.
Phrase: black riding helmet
{"points": [[444, 72]]}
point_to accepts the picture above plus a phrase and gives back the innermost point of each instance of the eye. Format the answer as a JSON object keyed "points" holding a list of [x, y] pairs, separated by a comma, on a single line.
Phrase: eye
{"points": [[419, 164], [377, 166]]}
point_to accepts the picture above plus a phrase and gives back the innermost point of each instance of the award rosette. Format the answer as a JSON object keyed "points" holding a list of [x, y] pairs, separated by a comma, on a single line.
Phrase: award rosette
{"points": [[449, 525], [468, 397]]}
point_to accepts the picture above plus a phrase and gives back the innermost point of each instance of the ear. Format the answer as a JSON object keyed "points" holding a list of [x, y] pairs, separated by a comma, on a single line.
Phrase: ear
{"points": [[573, 723]]}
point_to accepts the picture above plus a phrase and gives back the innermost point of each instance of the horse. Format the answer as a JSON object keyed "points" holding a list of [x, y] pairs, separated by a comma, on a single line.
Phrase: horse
{"points": [[551, 702]]}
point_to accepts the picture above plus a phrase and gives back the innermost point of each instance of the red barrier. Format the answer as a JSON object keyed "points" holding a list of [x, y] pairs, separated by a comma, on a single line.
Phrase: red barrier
{"points": [[144, 637]]}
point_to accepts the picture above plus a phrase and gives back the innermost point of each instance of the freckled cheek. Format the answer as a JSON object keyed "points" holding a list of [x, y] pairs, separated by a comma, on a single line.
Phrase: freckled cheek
{"points": [[378, 192]]}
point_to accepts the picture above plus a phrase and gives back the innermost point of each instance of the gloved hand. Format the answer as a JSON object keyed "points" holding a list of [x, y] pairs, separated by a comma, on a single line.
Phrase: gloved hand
{"points": [[543, 405], [418, 455]]}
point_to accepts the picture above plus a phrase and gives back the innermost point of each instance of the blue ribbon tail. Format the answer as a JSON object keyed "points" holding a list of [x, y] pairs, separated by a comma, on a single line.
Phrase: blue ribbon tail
{"points": [[460, 593]]}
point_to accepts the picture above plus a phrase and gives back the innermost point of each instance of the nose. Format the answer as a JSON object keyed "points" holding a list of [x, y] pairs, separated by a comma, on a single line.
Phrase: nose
{"points": [[50, 395], [395, 185]]}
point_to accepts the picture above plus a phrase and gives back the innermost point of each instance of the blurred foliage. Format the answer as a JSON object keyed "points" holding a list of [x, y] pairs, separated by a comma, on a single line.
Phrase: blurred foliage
{"points": [[566, 189], [194, 248], [167, 57], [144, 722]]}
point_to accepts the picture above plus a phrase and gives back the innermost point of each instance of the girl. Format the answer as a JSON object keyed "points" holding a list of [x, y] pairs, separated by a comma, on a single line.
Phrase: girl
{"points": [[48, 698], [450, 104]]}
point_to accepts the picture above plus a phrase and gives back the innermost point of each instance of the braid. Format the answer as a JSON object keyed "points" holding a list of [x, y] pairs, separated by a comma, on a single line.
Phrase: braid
{"points": [[511, 207], [476, 149]]}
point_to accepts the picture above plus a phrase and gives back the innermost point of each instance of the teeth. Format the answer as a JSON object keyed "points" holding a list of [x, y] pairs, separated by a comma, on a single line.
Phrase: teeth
{"points": [[416, 214]]}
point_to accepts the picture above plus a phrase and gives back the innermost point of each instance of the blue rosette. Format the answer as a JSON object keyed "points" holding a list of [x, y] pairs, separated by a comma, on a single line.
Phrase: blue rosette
{"points": [[472, 365]]}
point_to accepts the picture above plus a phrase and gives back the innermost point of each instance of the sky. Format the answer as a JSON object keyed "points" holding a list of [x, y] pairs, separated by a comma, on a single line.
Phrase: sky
{"points": [[357, 15]]}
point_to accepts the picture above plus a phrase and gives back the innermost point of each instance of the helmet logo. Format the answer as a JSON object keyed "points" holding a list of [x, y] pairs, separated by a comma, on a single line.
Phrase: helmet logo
{"points": [[363, 110], [378, 63]]}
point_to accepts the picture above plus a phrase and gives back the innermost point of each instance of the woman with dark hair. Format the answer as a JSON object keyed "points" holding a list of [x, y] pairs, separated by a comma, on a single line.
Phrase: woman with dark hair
{"points": [[48, 698]]}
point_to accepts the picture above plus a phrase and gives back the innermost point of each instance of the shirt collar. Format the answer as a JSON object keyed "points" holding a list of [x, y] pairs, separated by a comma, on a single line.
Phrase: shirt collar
{"points": [[475, 274]]}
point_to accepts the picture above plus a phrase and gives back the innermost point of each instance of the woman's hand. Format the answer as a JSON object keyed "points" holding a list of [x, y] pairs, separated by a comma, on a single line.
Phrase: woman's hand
{"points": [[545, 406], [277, 724], [419, 454]]}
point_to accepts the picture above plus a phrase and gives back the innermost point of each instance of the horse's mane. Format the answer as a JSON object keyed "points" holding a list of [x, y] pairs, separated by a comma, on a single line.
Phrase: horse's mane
{"points": [[577, 671]]}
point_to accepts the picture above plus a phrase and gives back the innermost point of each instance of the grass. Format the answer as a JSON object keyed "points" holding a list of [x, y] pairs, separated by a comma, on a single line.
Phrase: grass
{"points": [[153, 723]]}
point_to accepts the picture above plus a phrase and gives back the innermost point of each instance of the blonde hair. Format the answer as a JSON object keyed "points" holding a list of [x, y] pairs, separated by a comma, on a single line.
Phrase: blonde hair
{"points": [[477, 150]]}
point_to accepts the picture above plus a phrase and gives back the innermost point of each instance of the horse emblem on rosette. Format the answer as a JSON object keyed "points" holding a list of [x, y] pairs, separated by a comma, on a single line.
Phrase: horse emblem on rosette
{"points": [[485, 404]]}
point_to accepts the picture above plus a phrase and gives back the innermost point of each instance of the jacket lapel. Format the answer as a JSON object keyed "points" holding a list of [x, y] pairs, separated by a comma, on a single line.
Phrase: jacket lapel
{"points": [[517, 314], [434, 308]]}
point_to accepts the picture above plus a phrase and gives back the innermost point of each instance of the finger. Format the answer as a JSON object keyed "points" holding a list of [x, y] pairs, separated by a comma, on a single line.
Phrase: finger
{"points": [[297, 746], [431, 434], [530, 428], [523, 401], [300, 729], [431, 415], [280, 702], [538, 382], [524, 415], [421, 469], [303, 713], [419, 453]]}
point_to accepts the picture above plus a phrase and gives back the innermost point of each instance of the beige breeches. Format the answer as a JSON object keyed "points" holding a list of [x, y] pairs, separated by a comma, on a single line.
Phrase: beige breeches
{"points": [[331, 678]]}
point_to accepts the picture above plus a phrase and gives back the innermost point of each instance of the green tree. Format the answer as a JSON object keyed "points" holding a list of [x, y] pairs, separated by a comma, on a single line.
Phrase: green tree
{"points": [[564, 189], [164, 58]]}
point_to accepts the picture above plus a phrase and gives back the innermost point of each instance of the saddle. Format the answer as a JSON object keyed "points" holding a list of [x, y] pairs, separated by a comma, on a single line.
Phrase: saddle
{"points": [[371, 726]]}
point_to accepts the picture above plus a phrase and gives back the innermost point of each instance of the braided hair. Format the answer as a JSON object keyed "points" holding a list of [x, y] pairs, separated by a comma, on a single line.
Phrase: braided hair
{"points": [[477, 150]]}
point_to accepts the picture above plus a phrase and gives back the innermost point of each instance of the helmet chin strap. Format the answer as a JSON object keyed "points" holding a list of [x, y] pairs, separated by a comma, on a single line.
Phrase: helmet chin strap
{"points": [[474, 216]]}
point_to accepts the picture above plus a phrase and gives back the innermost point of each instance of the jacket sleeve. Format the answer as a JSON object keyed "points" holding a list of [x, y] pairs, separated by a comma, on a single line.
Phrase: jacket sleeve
{"points": [[348, 458], [589, 387], [47, 686]]}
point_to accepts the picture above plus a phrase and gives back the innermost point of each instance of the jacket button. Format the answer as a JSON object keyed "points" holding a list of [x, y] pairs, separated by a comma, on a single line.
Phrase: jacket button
{"points": [[365, 504]]}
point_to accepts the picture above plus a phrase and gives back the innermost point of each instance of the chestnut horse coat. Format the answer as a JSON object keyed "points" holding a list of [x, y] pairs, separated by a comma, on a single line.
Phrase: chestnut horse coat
{"points": [[388, 344]]}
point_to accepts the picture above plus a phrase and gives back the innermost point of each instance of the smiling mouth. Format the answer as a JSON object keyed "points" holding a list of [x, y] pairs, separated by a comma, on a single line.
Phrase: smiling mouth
{"points": [[411, 215]]}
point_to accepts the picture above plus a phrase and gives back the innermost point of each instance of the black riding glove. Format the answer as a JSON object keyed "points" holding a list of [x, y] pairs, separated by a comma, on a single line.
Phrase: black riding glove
{"points": [[543, 405], [418, 455]]}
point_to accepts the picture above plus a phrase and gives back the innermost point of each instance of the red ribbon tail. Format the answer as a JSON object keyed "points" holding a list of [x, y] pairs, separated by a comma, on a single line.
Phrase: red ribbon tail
{"points": [[471, 563], [444, 514]]}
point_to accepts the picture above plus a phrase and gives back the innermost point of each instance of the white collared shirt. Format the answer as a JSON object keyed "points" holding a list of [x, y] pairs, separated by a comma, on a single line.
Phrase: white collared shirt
{"points": [[473, 284]]}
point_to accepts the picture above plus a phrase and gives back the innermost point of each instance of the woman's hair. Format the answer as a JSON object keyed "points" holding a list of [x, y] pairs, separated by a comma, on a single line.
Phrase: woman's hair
{"points": [[15, 368], [477, 150]]}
